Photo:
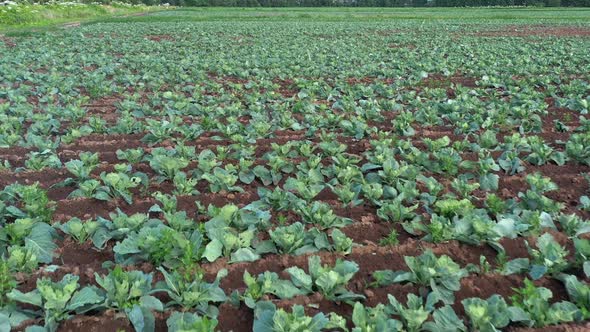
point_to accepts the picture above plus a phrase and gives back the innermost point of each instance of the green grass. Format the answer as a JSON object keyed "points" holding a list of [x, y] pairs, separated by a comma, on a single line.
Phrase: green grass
{"points": [[20, 19]]}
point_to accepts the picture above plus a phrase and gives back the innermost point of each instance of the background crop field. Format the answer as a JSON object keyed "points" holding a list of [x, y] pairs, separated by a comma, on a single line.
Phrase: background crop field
{"points": [[363, 14], [210, 157]]}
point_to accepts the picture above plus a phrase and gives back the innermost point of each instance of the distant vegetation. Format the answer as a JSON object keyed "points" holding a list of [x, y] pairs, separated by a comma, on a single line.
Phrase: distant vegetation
{"points": [[362, 3]]}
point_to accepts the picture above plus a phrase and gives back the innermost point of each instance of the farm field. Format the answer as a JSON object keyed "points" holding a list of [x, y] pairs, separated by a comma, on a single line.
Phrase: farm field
{"points": [[305, 170]]}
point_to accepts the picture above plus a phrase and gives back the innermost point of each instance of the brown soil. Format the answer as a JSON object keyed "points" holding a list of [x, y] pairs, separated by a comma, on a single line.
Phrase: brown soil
{"points": [[440, 81], [368, 80], [9, 42], [104, 107], [109, 321], [408, 46], [158, 38], [573, 327], [71, 25], [537, 31]]}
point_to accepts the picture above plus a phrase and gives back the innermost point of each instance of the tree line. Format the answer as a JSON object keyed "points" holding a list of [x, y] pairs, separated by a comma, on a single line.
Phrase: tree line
{"points": [[384, 3], [365, 3]]}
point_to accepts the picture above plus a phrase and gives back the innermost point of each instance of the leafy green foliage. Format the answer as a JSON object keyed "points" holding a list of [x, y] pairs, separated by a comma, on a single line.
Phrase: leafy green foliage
{"points": [[58, 300], [532, 307], [578, 148], [118, 227], [78, 229], [416, 312], [26, 201], [128, 292], [373, 319], [30, 239], [268, 318], [116, 185], [488, 315], [451, 207], [579, 293], [190, 291], [391, 239], [229, 238], [7, 283], [186, 321], [267, 283], [329, 281], [167, 167], [441, 274], [322, 216], [533, 199], [550, 257], [292, 239], [159, 244], [395, 211]]}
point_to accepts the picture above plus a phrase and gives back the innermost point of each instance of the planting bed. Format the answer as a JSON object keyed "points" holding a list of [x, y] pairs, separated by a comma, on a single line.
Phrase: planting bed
{"points": [[181, 158]]}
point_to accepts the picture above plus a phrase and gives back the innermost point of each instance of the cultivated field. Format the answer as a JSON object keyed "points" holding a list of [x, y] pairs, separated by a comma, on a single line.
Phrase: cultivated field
{"points": [[306, 170]]}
